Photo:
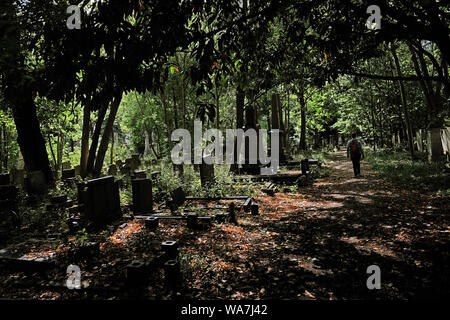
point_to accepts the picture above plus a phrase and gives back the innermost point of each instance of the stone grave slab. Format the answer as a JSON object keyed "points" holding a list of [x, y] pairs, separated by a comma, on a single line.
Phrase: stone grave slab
{"points": [[142, 195]]}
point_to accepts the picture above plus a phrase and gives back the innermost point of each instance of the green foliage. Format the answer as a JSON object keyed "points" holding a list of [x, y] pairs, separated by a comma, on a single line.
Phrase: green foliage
{"points": [[418, 175]]}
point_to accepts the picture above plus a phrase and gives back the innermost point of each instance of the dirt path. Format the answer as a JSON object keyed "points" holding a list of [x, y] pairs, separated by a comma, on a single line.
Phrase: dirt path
{"points": [[325, 238]]}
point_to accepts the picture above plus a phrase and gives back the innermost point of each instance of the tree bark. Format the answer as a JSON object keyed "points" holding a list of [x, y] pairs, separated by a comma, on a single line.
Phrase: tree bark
{"points": [[303, 118], [106, 135], [95, 138], [85, 141], [29, 136], [404, 103]]}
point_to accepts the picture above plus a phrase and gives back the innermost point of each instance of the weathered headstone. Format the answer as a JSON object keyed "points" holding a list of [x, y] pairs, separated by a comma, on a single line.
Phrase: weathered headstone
{"points": [[17, 176], [67, 174], [434, 144], [207, 174], [37, 183], [101, 200], [178, 196], [142, 195], [77, 169], [419, 139], [140, 174], [192, 220], [66, 165], [304, 164]]}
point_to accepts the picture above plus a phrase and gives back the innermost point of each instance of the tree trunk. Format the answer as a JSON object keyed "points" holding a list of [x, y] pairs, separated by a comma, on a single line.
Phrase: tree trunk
{"points": [[106, 135], [85, 141], [95, 138], [303, 118], [405, 108], [29, 136], [2, 150], [112, 146]]}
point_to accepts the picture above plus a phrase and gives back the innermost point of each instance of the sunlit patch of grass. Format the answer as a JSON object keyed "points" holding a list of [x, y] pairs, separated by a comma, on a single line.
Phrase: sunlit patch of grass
{"points": [[418, 174]]}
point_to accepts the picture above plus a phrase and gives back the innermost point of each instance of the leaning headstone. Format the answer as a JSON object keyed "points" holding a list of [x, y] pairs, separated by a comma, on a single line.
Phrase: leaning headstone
{"points": [[4, 179], [101, 200], [142, 195], [37, 183]]}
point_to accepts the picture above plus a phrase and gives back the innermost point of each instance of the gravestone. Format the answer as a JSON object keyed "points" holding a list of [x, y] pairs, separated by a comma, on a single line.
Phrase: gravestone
{"points": [[112, 170], [304, 166], [125, 168], [135, 162], [140, 174], [17, 176], [434, 144], [66, 165], [207, 174], [192, 220], [101, 200], [4, 179], [37, 183], [445, 139], [178, 196], [142, 195], [67, 174], [419, 139], [77, 170]]}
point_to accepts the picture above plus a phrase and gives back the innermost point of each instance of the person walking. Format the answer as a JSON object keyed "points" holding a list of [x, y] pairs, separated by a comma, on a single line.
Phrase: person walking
{"points": [[355, 153]]}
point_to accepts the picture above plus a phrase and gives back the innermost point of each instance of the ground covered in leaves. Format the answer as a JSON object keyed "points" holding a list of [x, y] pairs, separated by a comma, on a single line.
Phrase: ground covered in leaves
{"points": [[315, 243]]}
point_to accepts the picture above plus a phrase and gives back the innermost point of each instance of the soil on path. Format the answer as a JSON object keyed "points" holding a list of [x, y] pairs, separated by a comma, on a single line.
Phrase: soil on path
{"points": [[325, 238]]}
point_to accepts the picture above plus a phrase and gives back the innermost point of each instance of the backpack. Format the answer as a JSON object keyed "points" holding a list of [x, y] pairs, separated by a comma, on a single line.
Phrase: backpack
{"points": [[354, 147]]}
